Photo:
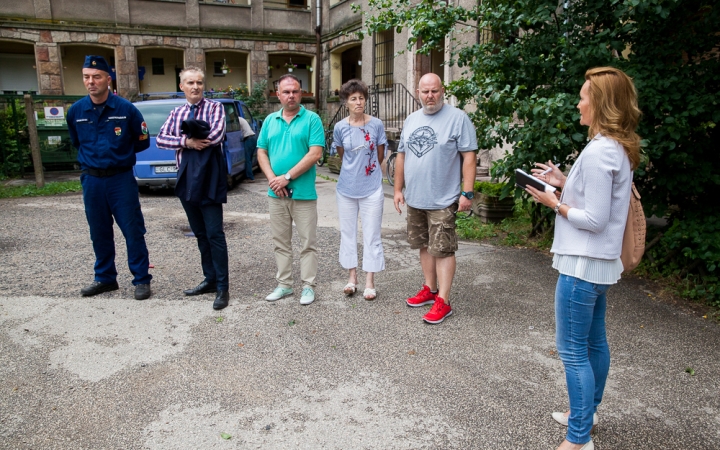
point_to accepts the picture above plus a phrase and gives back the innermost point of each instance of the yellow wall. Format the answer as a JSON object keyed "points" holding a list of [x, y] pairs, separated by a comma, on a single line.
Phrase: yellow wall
{"points": [[172, 60], [72, 58], [239, 72]]}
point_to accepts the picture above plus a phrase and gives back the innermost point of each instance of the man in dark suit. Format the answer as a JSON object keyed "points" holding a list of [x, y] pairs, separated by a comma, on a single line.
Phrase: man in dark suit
{"points": [[195, 131]]}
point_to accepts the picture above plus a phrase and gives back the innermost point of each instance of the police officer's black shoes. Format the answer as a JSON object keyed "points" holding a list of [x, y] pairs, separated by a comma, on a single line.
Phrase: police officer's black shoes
{"points": [[142, 291], [202, 288], [221, 300], [98, 288]]}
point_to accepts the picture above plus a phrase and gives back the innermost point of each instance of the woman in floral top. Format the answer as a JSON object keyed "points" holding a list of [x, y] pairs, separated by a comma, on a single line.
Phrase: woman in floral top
{"points": [[360, 141]]}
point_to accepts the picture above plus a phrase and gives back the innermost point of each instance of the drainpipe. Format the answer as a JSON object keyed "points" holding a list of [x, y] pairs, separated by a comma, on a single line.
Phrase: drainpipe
{"points": [[318, 53]]}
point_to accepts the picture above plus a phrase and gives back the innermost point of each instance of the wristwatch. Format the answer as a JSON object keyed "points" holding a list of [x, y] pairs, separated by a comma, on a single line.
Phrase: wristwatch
{"points": [[288, 177], [557, 208], [468, 195]]}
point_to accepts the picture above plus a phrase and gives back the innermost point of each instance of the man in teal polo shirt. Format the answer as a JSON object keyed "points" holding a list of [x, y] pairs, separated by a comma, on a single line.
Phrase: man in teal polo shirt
{"points": [[290, 143]]}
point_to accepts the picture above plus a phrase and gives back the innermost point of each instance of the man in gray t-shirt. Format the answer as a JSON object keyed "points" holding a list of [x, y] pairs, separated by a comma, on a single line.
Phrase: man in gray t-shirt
{"points": [[436, 152]]}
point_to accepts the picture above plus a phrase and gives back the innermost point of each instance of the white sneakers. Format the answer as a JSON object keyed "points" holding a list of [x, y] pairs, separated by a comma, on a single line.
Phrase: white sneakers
{"points": [[278, 293], [308, 294]]}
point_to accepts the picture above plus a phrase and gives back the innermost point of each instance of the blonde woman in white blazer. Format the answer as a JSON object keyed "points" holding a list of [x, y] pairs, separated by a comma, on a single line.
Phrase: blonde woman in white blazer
{"points": [[591, 215]]}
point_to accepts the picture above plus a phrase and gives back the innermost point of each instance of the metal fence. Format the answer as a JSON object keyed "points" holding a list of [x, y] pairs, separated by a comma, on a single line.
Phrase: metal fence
{"points": [[391, 104]]}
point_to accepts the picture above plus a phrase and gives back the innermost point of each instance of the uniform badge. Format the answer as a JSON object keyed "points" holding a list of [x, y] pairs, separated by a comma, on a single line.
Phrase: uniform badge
{"points": [[94, 63], [118, 131], [143, 127]]}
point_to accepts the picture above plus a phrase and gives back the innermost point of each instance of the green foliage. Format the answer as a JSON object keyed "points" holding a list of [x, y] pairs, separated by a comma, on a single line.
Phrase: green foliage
{"points": [[469, 227], [514, 231], [688, 253], [14, 142], [491, 189], [255, 99], [527, 69], [30, 190]]}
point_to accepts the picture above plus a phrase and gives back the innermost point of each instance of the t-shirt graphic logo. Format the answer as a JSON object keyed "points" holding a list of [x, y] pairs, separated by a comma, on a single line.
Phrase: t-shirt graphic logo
{"points": [[422, 141]]}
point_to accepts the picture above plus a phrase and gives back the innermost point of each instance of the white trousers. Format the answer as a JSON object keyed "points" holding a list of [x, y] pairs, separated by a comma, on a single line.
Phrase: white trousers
{"points": [[370, 210]]}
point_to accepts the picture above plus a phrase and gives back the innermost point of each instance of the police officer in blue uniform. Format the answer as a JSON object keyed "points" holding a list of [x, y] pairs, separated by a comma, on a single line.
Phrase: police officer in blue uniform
{"points": [[108, 130]]}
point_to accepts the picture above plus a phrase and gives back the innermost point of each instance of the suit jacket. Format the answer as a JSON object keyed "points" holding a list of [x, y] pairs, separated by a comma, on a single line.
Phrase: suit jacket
{"points": [[202, 176]]}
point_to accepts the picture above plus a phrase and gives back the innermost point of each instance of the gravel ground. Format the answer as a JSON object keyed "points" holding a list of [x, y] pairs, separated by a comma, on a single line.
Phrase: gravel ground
{"points": [[110, 372]]}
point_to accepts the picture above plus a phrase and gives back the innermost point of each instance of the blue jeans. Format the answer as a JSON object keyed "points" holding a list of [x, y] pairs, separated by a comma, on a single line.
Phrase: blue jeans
{"points": [[115, 197], [583, 349], [206, 223], [249, 145]]}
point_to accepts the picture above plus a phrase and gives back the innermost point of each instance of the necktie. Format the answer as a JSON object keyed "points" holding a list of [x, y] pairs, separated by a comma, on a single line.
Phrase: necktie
{"points": [[193, 108]]}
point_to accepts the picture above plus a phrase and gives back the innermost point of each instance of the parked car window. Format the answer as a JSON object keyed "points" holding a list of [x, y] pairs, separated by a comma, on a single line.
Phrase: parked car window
{"points": [[246, 113], [155, 115], [231, 118]]}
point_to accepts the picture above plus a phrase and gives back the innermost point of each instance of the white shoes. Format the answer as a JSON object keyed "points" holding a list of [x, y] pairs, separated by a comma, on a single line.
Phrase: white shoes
{"points": [[588, 446], [562, 419], [278, 293], [308, 296]]}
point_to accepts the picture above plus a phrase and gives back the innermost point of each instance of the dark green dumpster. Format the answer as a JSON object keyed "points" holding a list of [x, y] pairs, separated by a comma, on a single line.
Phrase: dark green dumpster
{"points": [[56, 150]]}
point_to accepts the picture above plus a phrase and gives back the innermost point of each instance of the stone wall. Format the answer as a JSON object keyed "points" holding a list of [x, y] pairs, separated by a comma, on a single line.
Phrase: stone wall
{"points": [[49, 64]]}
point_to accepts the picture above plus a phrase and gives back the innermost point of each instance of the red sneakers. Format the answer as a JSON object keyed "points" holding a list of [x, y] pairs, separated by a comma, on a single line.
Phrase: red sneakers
{"points": [[438, 312], [422, 298]]}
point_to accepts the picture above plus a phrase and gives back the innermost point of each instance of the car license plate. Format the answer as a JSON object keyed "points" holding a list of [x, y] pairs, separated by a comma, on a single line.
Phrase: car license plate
{"points": [[165, 169]]}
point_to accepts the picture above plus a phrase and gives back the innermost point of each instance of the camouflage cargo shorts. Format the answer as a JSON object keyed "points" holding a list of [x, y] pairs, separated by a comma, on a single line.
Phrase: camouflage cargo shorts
{"points": [[434, 229]]}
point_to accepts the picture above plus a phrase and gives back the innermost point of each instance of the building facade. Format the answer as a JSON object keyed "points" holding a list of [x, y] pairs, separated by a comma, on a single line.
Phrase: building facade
{"points": [[147, 42]]}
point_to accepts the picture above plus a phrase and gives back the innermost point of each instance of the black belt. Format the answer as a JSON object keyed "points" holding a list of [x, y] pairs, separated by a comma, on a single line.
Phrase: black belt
{"points": [[103, 173]]}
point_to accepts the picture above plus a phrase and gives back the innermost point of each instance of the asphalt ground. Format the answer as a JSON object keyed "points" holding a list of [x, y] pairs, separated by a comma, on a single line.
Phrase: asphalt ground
{"points": [[110, 372]]}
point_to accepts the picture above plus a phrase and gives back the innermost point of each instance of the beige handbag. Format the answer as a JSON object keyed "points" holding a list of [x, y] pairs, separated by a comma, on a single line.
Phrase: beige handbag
{"points": [[633, 245]]}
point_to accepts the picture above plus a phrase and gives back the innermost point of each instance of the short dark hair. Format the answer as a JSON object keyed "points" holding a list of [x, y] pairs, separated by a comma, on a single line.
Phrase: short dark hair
{"points": [[286, 76], [352, 87]]}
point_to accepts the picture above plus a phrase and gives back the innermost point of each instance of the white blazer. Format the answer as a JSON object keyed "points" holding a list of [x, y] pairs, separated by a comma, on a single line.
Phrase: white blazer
{"points": [[597, 190]]}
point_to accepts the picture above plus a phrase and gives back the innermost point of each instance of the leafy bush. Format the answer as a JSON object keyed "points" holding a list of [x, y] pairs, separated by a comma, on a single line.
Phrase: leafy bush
{"points": [[490, 189], [255, 99], [15, 144], [469, 227], [525, 72]]}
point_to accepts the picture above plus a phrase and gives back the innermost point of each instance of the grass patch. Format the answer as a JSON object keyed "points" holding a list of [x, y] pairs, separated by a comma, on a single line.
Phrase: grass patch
{"points": [[30, 190], [511, 232]]}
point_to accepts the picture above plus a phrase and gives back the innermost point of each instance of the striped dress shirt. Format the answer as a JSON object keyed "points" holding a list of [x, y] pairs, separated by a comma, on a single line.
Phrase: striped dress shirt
{"points": [[171, 137]]}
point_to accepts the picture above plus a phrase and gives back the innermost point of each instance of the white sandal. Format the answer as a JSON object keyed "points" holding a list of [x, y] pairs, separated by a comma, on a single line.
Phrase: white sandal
{"points": [[350, 289], [370, 294]]}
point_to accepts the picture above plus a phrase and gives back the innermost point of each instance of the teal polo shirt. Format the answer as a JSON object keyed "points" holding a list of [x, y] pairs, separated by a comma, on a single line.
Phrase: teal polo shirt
{"points": [[288, 143]]}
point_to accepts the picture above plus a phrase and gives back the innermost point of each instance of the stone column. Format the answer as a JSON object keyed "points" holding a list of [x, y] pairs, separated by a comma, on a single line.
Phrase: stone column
{"points": [[192, 14], [122, 12], [42, 9], [257, 19], [126, 69], [47, 59], [195, 56], [258, 65]]}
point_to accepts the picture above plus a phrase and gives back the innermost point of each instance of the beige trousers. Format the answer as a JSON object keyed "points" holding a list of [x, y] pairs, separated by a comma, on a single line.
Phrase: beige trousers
{"points": [[283, 212]]}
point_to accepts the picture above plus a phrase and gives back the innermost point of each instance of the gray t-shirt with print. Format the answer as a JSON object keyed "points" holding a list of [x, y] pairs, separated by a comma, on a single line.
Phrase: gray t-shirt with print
{"points": [[360, 175], [432, 144]]}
